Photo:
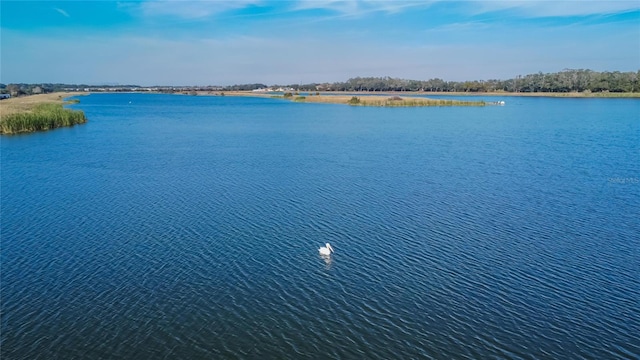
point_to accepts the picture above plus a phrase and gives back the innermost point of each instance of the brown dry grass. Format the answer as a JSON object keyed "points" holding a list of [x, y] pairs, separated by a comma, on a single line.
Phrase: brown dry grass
{"points": [[337, 99], [386, 101], [369, 100], [27, 103]]}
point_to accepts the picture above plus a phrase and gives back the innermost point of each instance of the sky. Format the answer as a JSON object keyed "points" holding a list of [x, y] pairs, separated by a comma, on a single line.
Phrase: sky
{"points": [[216, 42]]}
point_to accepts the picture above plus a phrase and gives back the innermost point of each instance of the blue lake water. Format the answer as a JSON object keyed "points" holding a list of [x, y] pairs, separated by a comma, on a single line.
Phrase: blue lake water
{"points": [[188, 227]]}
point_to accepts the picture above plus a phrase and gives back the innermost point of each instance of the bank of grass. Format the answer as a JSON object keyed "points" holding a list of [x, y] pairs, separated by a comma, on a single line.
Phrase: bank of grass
{"points": [[41, 117], [37, 113], [385, 101], [376, 100], [411, 102]]}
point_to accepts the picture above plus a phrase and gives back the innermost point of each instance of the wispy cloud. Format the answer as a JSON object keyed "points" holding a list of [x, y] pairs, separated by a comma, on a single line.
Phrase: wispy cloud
{"points": [[198, 9], [62, 12], [191, 9], [201, 9], [356, 8], [555, 8]]}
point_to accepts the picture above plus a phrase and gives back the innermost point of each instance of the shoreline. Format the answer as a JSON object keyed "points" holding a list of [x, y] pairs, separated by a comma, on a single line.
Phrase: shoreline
{"points": [[539, 94], [249, 93], [27, 103], [426, 94], [392, 99], [353, 99], [42, 112], [409, 99], [492, 94]]}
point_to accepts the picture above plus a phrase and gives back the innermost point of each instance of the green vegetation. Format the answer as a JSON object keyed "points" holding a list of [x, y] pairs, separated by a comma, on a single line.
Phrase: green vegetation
{"points": [[565, 81], [41, 117], [396, 101], [412, 102], [568, 81], [245, 87]]}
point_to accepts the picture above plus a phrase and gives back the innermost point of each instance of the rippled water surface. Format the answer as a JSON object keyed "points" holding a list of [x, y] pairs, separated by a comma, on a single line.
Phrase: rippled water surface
{"points": [[188, 227]]}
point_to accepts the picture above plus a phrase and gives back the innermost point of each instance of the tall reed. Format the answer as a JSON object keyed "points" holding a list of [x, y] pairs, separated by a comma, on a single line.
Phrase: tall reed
{"points": [[41, 117]]}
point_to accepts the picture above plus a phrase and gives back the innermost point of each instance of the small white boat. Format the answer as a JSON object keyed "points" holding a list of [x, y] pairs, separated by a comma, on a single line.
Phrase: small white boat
{"points": [[326, 250]]}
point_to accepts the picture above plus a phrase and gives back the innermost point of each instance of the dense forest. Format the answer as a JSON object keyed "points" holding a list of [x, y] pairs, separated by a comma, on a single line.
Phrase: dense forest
{"points": [[561, 82], [568, 80]]}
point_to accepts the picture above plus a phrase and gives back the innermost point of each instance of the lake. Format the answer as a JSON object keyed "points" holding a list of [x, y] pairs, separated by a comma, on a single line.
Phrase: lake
{"points": [[185, 227]]}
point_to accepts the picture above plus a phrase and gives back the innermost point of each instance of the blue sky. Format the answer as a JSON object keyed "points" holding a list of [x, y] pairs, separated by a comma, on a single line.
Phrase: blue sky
{"points": [[215, 42]]}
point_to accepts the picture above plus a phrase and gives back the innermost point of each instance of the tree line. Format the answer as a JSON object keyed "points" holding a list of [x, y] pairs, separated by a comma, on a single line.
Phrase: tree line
{"points": [[568, 80], [19, 89]]}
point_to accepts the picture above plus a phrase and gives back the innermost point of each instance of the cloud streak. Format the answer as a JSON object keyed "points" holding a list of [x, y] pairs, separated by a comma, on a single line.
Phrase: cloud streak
{"points": [[555, 8], [204, 9], [359, 7], [191, 9], [62, 12]]}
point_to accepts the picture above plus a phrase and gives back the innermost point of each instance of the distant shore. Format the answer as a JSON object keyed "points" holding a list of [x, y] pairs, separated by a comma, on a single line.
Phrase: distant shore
{"points": [[495, 94], [438, 93], [540, 94]]}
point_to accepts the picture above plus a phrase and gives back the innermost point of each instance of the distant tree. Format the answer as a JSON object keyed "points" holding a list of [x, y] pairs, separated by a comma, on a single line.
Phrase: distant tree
{"points": [[14, 89], [245, 87]]}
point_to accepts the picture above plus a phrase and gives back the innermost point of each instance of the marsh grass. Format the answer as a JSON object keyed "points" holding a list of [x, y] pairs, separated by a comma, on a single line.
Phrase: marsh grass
{"points": [[368, 100], [415, 102], [41, 117], [396, 101]]}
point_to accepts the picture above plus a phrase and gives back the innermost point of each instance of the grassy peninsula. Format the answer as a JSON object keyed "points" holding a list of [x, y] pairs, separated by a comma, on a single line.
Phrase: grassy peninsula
{"points": [[386, 101], [38, 113], [361, 99]]}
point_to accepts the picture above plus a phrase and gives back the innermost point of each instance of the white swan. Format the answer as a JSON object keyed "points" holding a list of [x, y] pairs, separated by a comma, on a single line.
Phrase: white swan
{"points": [[326, 250]]}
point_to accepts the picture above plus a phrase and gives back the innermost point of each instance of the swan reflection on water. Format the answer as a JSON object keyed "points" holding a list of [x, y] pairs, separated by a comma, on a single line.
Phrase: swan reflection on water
{"points": [[328, 261]]}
